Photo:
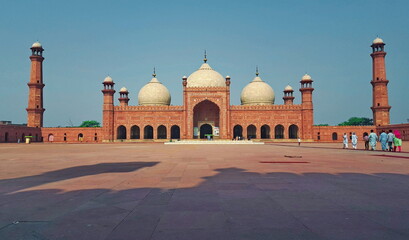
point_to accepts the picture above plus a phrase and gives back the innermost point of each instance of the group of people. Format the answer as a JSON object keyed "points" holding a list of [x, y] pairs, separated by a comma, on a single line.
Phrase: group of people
{"points": [[391, 141]]}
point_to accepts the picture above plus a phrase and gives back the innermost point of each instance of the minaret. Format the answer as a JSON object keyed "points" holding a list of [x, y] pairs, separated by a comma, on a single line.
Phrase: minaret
{"points": [[108, 109], [123, 97], [35, 108], [307, 107], [288, 95], [380, 106]]}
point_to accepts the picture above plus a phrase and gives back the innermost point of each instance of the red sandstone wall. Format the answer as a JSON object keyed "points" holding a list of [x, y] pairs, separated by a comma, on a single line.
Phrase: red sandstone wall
{"points": [[12, 133], [324, 133], [71, 135], [402, 128], [272, 116], [143, 116]]}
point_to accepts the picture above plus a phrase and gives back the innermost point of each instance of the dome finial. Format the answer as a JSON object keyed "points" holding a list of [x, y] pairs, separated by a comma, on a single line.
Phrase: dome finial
{"points": [[205, 56], [154, 72], [257, 71]]}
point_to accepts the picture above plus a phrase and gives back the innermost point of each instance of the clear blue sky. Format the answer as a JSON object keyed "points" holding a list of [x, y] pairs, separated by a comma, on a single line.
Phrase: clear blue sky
{"points": [[86, 40]]}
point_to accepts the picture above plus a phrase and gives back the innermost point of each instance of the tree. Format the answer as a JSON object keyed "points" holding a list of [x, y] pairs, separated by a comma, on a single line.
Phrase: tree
{"points": [[357, 121], [90, 123]]}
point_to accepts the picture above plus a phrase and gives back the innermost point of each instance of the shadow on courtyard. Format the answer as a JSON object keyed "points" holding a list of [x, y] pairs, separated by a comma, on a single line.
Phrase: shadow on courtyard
{"points": [[11, 185], [232, 204]]}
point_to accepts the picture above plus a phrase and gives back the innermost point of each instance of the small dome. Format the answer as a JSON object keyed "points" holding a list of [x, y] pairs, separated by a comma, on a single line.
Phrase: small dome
{"points": [[288, 88], [108, 79], [306, 77], [257, 92], [377, 41], [123, 90], [36, 45], [206, 77], [227, 76], [154, 93]]}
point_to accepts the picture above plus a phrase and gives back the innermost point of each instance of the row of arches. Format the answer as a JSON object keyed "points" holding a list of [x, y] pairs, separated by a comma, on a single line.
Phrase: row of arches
{"points": [[265, 132], [148, 132], [79, 137], [14, 137]]}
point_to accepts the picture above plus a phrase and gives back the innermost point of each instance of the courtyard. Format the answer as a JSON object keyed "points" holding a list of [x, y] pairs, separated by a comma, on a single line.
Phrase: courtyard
{"points": [[156, 191]]}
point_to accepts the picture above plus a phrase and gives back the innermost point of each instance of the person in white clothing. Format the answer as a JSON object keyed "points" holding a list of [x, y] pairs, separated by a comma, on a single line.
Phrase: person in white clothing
{"points": [[354, 140], [345, 141]]}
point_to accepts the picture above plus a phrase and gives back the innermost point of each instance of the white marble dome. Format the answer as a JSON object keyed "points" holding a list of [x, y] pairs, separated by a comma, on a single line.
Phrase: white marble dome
{"points": [[306, 77], [36, 45], [377, 41], [123, 90], [205, 76], [288, 88], [257, 92], [154, 93], [108, 79]]}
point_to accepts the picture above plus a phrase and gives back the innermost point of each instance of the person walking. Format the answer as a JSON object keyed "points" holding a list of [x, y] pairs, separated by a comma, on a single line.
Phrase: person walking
{"points": [[397, 141], [383, 139], [366, 139], [345, 141], [372, 140], [390, 140], [354, 140]]}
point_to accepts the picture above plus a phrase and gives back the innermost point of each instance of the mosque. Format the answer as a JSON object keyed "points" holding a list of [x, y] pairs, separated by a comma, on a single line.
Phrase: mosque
{"points": [[206, 110]]}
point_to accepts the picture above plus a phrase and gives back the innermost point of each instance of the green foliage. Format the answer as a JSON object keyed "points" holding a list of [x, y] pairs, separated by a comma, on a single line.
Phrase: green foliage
{"points": [[91, 123], [321, 125], [357, 121]]}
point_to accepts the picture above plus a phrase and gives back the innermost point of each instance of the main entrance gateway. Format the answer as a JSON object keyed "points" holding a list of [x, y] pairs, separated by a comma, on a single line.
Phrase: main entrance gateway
{"points": [[206, 117]]}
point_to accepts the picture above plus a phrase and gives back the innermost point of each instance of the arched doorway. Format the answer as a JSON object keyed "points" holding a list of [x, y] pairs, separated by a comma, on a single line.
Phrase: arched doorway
{"points": [[205, 112], [135, 132], [175, 132], [265, 131], [6, 137], [121, 132], [251, 132], [161, 132], [80, 137], [334, 136], [293, 132], [50, 137], [279, 132], [205, 129], [238, 131], [148, 132]]}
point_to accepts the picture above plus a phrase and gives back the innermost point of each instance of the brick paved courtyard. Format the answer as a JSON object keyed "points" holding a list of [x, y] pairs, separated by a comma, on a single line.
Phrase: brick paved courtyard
{"points": [[156, 191]]}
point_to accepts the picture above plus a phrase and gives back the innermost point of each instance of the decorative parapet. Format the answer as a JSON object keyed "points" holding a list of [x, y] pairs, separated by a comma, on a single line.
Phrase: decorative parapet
{"points": [[207, 89], [265, 107], [149, 108]]}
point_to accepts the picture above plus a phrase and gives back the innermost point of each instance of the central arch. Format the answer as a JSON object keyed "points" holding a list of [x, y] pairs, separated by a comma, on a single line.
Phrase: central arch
{"points": [[205, 129], [205, 113]]}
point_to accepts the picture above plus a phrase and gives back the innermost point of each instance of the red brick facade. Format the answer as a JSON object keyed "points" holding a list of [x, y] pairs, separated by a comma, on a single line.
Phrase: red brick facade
{"points": [[16, 133], [205, 110]]}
